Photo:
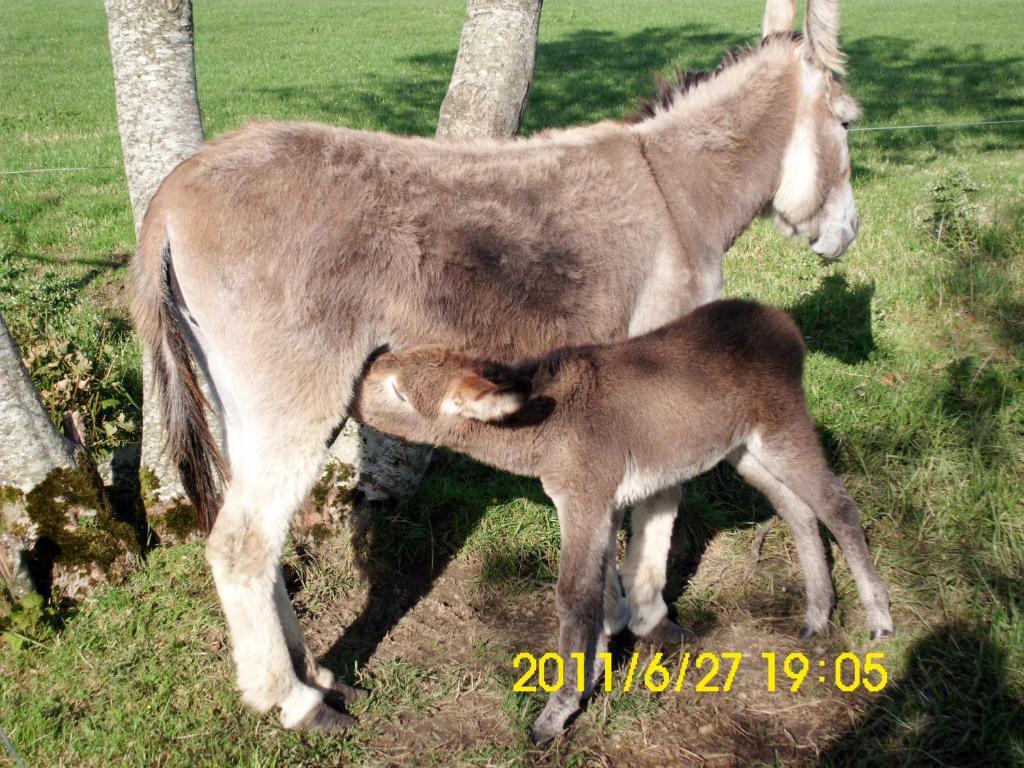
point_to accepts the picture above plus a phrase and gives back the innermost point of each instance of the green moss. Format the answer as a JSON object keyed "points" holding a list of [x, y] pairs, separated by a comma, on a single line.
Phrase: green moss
{"points": [[8, 495], [79, 491], [180, 520], [329, 493], [149, 486]]}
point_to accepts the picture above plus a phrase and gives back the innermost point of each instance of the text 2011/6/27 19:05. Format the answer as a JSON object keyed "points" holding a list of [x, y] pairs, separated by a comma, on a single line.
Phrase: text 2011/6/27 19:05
{"points": [[707, 672]]}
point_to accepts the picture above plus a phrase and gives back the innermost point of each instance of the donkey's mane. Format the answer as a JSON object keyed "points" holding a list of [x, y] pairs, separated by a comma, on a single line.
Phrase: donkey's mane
{"points": [[670, 90]]}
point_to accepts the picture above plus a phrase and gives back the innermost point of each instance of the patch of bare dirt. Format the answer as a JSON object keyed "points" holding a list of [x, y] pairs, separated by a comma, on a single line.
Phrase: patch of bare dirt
{"points": [[458, 639]]}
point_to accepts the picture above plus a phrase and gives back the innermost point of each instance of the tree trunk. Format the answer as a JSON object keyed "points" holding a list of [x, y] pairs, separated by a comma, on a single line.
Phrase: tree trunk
{"points": [[32, 448], [57, 531], [493, 70], [151, 48]]}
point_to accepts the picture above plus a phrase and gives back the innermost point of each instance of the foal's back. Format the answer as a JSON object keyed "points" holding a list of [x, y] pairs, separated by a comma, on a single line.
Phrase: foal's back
{"points": [[727, 357]]}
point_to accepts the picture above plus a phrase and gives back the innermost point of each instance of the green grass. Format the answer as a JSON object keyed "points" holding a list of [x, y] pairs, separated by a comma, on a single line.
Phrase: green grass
{"points": [[916, 371]]}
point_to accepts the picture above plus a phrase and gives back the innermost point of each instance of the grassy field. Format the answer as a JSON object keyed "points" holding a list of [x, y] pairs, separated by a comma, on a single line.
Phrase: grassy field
{"points": [[916, 377]]}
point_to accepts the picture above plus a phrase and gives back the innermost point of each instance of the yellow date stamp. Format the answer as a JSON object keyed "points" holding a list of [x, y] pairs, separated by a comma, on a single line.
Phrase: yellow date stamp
{"points": [[704, 672]]}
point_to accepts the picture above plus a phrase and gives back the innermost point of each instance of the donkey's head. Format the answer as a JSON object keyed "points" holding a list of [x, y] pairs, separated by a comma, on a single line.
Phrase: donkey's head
{"points": [[420, 393], [814, 199]]}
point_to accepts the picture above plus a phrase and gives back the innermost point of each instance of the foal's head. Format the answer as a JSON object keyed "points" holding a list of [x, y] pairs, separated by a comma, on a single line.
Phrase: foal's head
{"points": [[420, 392], [814, 199]]}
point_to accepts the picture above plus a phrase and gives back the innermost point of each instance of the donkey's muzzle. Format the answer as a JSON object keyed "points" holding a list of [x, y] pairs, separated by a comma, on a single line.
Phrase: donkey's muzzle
{"points": [[833, 240]]}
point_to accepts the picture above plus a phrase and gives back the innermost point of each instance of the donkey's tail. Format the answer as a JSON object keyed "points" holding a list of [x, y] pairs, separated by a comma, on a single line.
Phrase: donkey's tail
{"points": [[187, 436]]}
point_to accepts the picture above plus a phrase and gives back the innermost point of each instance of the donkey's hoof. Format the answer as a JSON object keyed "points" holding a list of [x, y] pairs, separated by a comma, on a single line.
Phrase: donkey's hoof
{"points": [[324, 718], [334, 689], [881, 633], [668, 635], [349, 692], [806, 633]]}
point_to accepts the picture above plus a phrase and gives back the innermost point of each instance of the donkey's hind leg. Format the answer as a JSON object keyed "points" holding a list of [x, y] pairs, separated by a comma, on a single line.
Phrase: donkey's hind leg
{"points": [[644, 569], [273, 471], [303, 660], [803, 525], [797, 461]]}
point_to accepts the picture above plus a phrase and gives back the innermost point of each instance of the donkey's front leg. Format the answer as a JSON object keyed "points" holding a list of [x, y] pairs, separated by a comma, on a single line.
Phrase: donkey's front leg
{"points": [[587, 547]]}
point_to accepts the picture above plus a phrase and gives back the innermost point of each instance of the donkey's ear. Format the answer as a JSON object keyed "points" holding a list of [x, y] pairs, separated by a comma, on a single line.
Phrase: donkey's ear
{"points": [[778, 17], [474, 397], [821, 28]]}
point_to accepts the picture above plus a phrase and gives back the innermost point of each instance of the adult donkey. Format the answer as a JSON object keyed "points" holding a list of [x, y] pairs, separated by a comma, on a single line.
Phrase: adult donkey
{"points": [[281, 256]]}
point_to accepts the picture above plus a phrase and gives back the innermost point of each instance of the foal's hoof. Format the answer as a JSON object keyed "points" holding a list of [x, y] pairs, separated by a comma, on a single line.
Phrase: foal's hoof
{"points": [[806, 633], [541, 735], [325, 719], [668, 635]]}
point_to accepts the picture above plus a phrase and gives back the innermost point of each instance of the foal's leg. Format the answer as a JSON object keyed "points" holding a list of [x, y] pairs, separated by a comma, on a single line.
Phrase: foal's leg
{"points": [[272, 471], [804, 527], [797, 460], [644, 568], [587, 547], [616, 607]]}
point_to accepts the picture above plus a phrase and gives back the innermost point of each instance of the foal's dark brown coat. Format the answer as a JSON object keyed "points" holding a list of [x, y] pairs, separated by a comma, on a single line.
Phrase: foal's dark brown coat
{"points": [[605, 426]]}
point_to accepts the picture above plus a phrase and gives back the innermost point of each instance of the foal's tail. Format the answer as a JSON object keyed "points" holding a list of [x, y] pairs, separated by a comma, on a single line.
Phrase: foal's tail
{"points": [[187, 437]]}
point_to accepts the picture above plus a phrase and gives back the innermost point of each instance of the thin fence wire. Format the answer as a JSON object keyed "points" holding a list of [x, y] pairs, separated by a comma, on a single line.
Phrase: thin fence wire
{"points": [[935, 125], [10, 748], [919, 127], [59, 170]]}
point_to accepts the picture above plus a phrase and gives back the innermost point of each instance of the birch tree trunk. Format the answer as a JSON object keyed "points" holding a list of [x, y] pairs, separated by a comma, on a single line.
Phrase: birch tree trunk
{"points": [[486, 98], [31, 448], [493, 70], [57, 531], [151, 48]]}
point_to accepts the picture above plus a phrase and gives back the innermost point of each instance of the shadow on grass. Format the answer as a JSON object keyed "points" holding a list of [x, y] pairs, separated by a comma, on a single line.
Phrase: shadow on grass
{"points": [[585, 76], [896, 78], [594, 74], [836, 319], [952, 707], [410, 544], [982, 390]]}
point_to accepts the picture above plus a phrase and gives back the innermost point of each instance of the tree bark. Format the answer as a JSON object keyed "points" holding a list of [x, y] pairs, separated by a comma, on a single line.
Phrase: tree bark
{"points": [[493, 70], [32, 448], [151, 48], [58, 533]]}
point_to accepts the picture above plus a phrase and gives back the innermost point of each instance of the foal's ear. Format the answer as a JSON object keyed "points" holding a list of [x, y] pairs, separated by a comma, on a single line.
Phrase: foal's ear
{"points": [[474, 397]]}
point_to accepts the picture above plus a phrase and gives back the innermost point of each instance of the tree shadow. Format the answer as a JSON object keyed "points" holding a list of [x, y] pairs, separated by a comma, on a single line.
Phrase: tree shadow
{"points": [[952, 706], [568, 88], [975, 398], [898, 79], [594, 74], [836, 319]]}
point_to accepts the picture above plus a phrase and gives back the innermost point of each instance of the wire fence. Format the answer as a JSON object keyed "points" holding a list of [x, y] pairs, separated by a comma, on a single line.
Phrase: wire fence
{"points": [[10, 748]]}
